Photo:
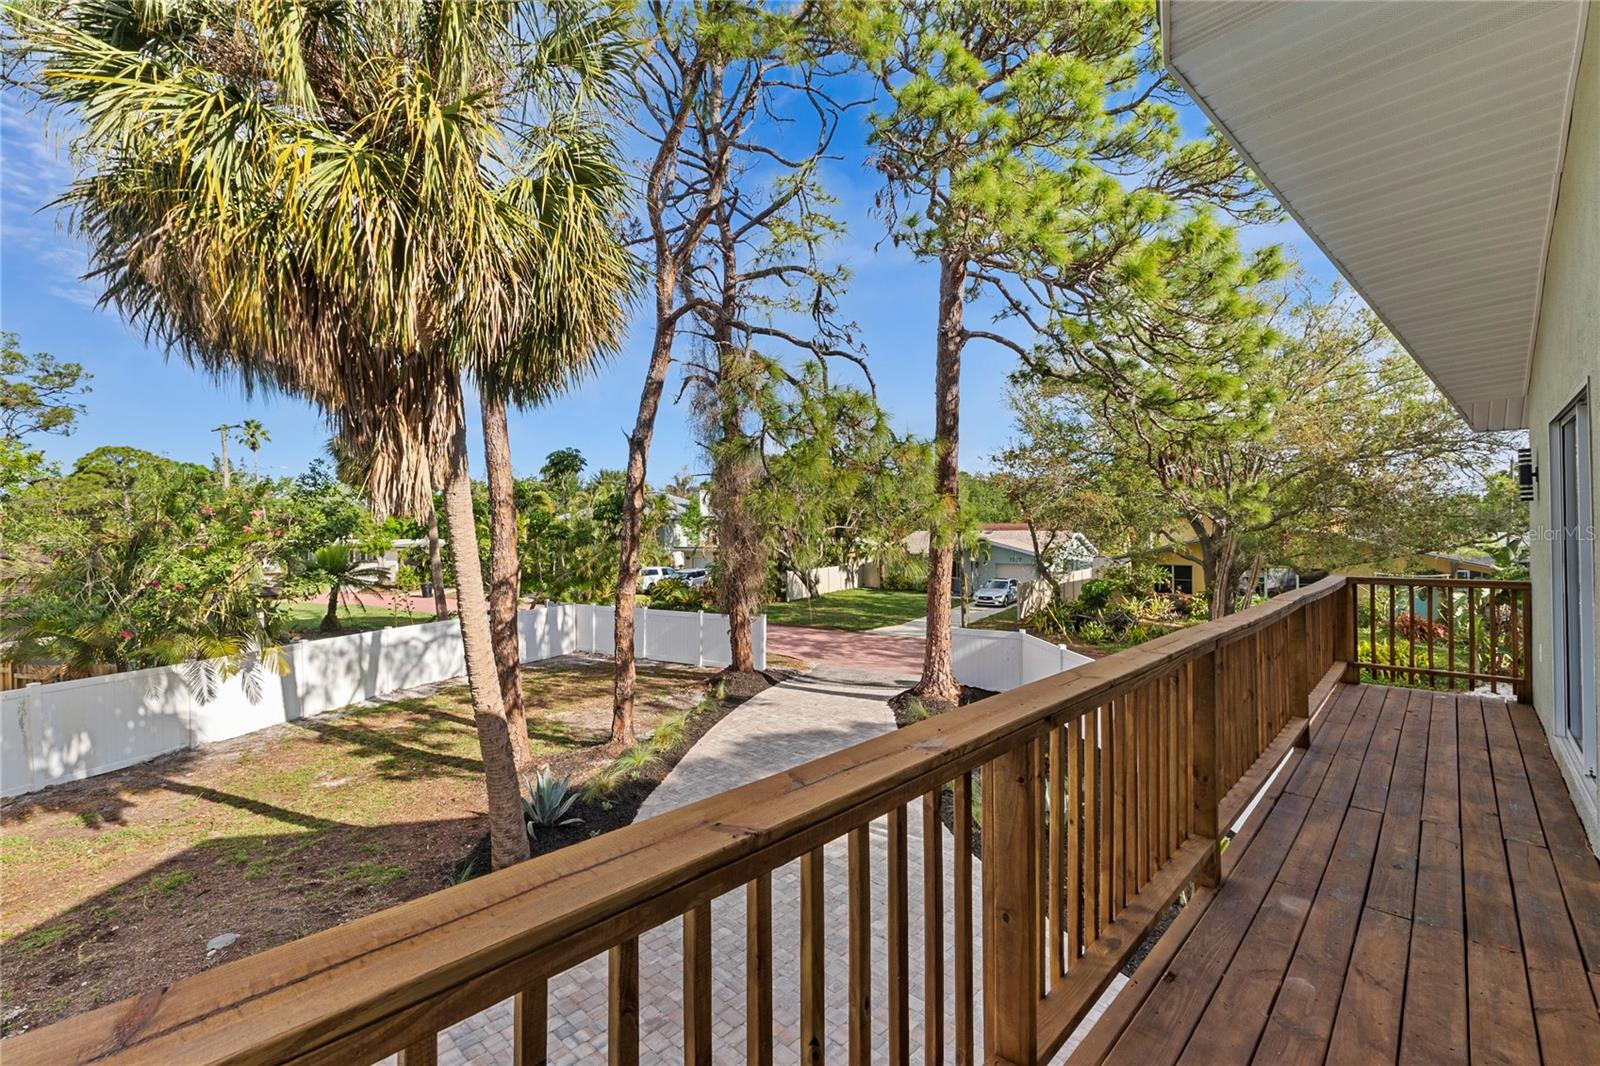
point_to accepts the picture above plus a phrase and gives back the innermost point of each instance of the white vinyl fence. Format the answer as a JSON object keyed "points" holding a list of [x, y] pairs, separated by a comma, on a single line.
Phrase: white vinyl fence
{"points": [[50, 733], [998, 660]]}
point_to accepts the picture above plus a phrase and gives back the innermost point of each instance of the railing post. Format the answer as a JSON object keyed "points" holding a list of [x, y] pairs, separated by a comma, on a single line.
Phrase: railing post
{"points": [[1300, 679], [1206, 790], [1011, 908], [1345, 632]]}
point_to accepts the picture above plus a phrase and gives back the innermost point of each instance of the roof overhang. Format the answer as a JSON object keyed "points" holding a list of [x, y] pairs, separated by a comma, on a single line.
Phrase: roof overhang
{"points": [[1419, 143]]}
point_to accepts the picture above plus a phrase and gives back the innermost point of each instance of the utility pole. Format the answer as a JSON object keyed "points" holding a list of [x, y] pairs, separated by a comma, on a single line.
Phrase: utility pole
{"points": [[222, 432]]}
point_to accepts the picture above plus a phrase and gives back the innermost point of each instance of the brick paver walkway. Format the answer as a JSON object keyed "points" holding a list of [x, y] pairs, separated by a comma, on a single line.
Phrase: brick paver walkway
{"points": [[805, 718]]}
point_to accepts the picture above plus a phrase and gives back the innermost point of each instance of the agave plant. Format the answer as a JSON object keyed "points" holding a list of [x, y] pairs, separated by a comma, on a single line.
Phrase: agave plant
{"points": [[548, 802]]}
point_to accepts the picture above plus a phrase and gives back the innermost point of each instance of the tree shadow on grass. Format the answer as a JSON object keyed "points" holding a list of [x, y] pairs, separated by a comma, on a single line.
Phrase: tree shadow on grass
{"points": [[152, 928]]}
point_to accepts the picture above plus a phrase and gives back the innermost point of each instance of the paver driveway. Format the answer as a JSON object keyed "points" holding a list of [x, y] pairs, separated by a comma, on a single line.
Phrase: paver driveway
{"points": [[802, 719]]}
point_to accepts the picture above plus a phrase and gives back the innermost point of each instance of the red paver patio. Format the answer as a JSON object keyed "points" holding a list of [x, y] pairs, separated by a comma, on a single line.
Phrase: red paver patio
{"points": [[901, 656]]}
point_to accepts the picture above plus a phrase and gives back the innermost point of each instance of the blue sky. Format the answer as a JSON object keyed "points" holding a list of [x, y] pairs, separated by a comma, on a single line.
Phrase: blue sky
{"points": [[144, 400]]}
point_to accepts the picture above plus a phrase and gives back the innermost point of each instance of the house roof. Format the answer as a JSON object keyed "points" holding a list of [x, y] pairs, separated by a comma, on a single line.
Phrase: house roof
{"points": [[1012, 535], [1420, 145]]}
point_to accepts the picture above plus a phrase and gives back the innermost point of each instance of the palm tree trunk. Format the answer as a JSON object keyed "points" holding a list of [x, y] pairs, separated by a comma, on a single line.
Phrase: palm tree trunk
{"points": [[633, 506], [441, 606], [505, 573], [508, 840], [938, 668], [330, 621]]}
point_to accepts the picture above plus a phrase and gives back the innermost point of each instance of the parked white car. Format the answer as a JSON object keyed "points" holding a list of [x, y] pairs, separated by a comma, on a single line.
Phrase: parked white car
{"points": [[651, 574], [997, 592], [693, 578]]}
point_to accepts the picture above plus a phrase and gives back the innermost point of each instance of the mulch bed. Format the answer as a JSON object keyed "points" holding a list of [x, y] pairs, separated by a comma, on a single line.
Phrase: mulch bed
{"points": [[622, 805]]}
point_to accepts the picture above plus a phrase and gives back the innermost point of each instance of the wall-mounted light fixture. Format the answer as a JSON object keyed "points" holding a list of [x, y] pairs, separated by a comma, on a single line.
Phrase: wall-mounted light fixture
{"points": [[1526, 473]]}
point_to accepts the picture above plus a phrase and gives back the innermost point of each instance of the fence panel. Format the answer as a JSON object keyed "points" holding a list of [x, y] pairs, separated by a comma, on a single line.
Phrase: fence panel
{"points": [[69, 730]]}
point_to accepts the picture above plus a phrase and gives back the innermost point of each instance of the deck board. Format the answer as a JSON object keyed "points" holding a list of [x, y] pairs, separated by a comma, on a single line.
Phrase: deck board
{"points": [[1421, 891]]}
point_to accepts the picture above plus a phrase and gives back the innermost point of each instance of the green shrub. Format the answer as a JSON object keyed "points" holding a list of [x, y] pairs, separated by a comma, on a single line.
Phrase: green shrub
{"points": [[915, 710], [407, 578], [1094, 596], [909, 574], [670, 732]]}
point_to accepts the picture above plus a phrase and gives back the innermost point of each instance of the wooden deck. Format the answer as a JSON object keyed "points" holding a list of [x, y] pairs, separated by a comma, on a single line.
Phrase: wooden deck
{"points": [[1419, 889]]}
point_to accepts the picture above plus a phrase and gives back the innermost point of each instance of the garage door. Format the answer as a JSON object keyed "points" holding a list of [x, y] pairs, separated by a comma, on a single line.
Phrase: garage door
{"points": [[1018, 571]]}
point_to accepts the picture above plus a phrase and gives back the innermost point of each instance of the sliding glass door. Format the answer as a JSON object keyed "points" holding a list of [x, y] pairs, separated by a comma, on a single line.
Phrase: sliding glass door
{"points": [[1572, 557]]}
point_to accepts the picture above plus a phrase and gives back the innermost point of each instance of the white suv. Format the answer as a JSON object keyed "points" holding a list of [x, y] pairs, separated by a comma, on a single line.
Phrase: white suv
{"points": [[651, 574]]}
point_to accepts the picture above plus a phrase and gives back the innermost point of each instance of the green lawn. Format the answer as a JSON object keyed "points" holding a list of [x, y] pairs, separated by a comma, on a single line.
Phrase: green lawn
{"points": [[1006, 619], [305, 618], [853, 609]]}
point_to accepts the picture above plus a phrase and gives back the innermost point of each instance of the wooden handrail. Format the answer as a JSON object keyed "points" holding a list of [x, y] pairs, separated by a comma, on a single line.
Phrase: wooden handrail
{"points": [[390, 980], [1439, 651]]}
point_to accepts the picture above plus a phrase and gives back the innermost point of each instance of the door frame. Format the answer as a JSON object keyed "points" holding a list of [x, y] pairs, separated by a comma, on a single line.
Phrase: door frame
{"points": [[1577, 411]]}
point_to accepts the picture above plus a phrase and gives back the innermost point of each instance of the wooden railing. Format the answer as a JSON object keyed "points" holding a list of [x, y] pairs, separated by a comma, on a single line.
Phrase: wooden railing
{"points": [[1443, 633], [1104, 792]]}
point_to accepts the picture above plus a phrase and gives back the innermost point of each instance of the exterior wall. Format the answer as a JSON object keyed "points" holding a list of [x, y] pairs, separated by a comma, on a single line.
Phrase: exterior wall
{"points": [[1172, 558], [1000, 562], [1566, 358]]}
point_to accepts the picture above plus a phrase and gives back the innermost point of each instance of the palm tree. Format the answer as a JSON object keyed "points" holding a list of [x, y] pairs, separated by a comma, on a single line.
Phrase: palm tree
{"points": [[252, 434], [347, 574], [340, 201]]}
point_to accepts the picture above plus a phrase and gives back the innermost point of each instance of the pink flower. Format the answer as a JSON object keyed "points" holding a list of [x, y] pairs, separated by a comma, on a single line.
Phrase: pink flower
{"points": [[207, 511], [257, 513], [247, 529], [125, 634], [155, 584]]}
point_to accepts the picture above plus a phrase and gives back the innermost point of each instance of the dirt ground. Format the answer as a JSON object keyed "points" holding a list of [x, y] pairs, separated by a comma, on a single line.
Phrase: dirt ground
{"points": [[119, 883]]}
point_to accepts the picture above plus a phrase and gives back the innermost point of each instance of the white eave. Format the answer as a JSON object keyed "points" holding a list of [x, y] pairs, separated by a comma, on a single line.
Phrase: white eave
{"points": [[1419, 143]]}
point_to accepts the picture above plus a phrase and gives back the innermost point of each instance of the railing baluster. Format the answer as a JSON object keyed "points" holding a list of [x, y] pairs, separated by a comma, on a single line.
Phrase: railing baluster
{"points": [[1056, 882], [1450, 633], [530, 1026], [1494, 643], [1524, 691], [696, 986], [813, 952], [1205, 785], [758, 971], [622, 1029], [1010, 891], [961, 817], [1096, 757], [860, 950], [425, 1052], [1116, 782], [932, 929], [1472, 636], [899, 978], [1074, 801]]}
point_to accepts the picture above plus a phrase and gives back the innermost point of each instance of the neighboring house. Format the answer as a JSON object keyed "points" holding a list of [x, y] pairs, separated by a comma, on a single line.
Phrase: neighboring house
{"points": [[1440, 564], [1451, 173], [688, 533], [1007, 551]]}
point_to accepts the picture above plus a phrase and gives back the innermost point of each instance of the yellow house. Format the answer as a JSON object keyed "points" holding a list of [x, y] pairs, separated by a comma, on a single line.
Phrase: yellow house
{"points": [[1188, 576]]}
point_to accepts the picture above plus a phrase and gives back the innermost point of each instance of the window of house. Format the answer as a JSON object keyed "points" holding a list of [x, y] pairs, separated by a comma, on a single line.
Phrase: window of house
{"points": [[1181, 579]]}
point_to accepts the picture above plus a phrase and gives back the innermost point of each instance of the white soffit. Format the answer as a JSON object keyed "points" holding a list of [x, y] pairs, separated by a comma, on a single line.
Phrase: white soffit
{"points": [[1419, 143]]}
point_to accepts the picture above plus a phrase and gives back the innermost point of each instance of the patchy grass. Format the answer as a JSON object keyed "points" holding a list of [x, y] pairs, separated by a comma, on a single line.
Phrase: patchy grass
{"points": [[305, 619], [1006, 620], [114, 885], [853, 609]]}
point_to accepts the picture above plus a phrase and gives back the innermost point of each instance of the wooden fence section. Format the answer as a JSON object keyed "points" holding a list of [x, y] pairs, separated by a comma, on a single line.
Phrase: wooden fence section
{"points": [[1103, 792], [1443, 633]]}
